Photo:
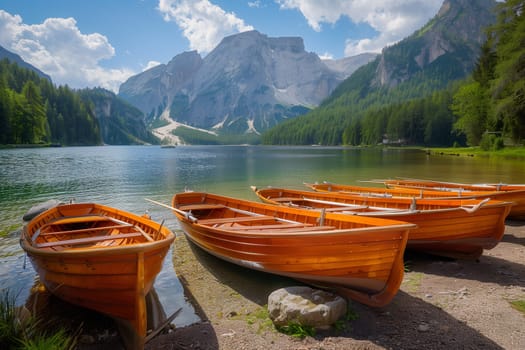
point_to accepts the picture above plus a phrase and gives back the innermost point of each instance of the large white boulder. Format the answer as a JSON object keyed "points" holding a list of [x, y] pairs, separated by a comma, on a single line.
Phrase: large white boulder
{"points": [[306, 306]]}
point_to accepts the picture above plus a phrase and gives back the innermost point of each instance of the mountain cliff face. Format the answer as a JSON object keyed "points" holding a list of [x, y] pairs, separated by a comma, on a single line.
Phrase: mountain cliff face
{"points": [[119, 122], [248, 83], [152, 90], [449, 43]]}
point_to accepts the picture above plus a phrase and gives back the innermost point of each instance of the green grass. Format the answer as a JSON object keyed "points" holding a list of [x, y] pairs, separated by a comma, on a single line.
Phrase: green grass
{"points": [[407, 266], [412, 281], [55, 341], [200, 137], [506, 152], [343, 324], [300, 331], [297, 330], [19, 330], [518, 305], [261, 318], [351, 314]]}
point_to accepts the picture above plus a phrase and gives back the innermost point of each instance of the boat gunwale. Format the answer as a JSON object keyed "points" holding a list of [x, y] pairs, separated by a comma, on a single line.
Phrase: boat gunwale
{"points": [[372, 222], [399, 232], [428, 194], [134, 220], [492, 203], [109, 250], [334, 232]]}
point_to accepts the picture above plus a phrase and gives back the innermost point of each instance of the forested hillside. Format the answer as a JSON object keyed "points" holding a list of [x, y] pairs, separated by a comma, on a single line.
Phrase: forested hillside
{"points": [[34, 111], [405, 94]]}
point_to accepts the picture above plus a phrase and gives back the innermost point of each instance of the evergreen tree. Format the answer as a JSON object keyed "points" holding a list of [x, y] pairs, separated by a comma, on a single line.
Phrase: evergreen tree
{"points": [[36, 114], [508, 86], [470, 104]]}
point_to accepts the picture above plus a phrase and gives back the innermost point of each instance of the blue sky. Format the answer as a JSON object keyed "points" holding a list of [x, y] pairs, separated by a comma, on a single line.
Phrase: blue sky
{"points": [[88, 43]]}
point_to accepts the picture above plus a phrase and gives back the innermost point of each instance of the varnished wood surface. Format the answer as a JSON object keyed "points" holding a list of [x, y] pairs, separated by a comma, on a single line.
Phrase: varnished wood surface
{"points": [[516, 195], [98, 257], [459, 228], [359, 257]]}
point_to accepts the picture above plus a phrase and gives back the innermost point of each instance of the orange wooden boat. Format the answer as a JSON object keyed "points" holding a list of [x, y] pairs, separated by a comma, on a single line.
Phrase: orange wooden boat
{"points": [[451, 186], [505, 192], [459, 228], [378, 191], [98, 257], [517, 197], [357, 257]]}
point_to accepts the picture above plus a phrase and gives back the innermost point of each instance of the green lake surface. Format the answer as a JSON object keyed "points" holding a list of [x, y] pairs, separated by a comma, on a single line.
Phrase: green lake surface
{"points": [[123, 176]]}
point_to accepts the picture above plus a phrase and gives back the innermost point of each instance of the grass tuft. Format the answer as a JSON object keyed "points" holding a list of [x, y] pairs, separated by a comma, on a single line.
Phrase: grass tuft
{"points": [[518, 305], [19, 330], [297, 330]]}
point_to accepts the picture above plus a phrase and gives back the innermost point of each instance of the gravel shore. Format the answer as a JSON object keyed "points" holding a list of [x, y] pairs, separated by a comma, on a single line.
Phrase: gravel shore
{"points": [[442, 304]]}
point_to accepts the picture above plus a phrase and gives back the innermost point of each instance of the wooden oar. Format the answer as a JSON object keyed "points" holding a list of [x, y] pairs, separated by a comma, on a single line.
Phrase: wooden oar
{"points": [[182, 212], [162, 326]]}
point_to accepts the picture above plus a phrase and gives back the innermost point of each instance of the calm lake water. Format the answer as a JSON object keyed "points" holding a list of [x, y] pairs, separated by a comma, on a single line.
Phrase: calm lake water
{"points": [[123, 176]]}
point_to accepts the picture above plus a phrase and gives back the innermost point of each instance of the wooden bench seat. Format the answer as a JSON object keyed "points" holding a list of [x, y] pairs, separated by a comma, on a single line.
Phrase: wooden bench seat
{"points": [[286, 199], [201, 206], [349, 208], [234, 219], [272, 226], [85, 240], [278, 230], [309, 229], [82, 230], [78, 219]]}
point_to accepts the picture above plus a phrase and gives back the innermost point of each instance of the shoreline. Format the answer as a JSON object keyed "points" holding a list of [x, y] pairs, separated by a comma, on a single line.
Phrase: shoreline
{"points": [[442, 304]]}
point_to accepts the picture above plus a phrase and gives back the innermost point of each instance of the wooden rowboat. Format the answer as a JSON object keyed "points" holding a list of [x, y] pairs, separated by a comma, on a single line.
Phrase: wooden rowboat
{"points": [[378, 191], [451, 186], [98, 257], [517, 197], [459, 228], [358, 257], [511, 192]]}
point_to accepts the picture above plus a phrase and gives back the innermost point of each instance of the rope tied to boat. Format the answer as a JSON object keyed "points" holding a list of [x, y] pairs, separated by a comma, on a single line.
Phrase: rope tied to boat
{"points": [[321, 218], [476, 207], [413, 204]]}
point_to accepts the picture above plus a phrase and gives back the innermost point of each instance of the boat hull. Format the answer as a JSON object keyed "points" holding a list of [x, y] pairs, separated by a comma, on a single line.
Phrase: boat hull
{"points": [[363, 261], [509, 193], [447, 227], [109, 278], [514, 195]]}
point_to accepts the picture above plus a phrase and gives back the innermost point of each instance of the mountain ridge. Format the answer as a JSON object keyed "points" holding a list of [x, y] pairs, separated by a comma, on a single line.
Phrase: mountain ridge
{"points": [[13, 57], [443, 51], [247, 84]]}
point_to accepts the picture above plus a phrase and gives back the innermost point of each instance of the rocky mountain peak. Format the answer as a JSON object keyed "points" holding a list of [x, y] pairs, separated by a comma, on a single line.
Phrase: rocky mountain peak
{"points": [[454, 35], [248, 83]]}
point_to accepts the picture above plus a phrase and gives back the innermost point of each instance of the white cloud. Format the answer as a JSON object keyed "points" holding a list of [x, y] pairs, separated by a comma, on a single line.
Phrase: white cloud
{"points": [[203, 23], [150, 65], [256, 4], [326, 56], [392, 20], [58, 48]]}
